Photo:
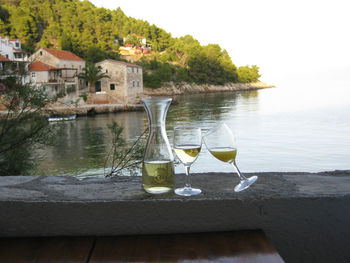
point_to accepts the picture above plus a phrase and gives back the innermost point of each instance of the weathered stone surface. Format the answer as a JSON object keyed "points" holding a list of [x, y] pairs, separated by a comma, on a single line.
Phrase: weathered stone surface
{"points": [[94, 109], [171, 88], [302, 213]]}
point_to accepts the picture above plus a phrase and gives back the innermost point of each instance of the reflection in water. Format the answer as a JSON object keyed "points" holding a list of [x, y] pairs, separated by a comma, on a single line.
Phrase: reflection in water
{"points": [[271, 134], [84, 144]]}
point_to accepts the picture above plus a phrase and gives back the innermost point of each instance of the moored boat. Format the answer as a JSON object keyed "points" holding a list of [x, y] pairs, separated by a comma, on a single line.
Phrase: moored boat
{"points": [[62, 118]]}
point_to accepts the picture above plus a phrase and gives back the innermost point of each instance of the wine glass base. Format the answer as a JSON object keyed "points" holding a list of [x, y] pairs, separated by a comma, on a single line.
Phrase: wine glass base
{"points": [[244, 184], [187, 191]]}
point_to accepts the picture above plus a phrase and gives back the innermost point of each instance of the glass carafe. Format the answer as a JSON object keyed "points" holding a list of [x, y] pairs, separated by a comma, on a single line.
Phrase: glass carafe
{"points": [[158, 162]]}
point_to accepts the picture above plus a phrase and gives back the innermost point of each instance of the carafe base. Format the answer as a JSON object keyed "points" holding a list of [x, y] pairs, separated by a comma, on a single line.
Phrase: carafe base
{"points": [[157, 190]]}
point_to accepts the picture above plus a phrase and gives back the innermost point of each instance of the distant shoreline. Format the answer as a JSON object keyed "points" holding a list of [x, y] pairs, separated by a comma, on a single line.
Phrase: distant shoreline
{"points": [[170, 89]]}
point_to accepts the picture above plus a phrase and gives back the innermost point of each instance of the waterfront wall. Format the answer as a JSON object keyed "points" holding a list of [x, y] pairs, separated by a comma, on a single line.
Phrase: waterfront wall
{"points": [[91, 109]]}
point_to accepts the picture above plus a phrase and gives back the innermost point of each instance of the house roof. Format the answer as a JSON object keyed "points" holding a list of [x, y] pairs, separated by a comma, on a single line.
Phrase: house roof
{"points": [[39, 66], [13, 39], [121, 62], [2, 58], [63, 54]]}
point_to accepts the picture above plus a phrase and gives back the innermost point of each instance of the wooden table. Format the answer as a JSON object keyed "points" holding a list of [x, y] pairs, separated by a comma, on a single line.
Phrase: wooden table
{"points": [[238, 246]]}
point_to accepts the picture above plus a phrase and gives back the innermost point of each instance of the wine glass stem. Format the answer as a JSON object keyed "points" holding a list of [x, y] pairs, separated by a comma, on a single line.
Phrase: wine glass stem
{"points": [[188, 177], [240, 175]]}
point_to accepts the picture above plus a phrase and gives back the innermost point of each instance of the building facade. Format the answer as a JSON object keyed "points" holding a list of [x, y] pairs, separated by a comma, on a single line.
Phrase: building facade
{"points": [[12, 49], [57, 70], [125, 82]]}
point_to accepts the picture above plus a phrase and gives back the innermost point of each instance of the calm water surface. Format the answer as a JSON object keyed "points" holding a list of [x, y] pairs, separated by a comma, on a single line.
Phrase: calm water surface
{"points": [[289, 128]]}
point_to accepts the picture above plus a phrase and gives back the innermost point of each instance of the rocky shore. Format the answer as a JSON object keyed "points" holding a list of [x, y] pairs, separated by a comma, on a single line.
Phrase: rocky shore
{"points": [[171, 89], [92, 109]]}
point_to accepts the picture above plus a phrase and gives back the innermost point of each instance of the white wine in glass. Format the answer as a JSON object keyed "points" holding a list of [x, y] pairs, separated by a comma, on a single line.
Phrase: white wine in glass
{"points": [[187, 146], [221, 143]]}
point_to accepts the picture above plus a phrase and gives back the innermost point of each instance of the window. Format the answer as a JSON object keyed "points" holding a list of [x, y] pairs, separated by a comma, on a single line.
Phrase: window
{"points": [[132, 69], [41, 53], [133, 84], [138, 84], [33, 74], [106, 70], [56, 88], [137, 70], [112, 86], [17, 44]]}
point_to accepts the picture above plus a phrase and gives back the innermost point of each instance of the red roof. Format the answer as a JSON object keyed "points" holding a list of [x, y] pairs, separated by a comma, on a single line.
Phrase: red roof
{"points": [[39, 66], [63, 54], [13, 39], [2, 58]]}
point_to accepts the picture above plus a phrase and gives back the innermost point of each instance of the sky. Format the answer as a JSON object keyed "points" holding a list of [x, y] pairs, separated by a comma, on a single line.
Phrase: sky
{"points": [[287, 39]]}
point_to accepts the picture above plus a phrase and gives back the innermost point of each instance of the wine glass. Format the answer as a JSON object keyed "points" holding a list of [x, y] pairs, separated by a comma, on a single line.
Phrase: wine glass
{"points": [[221, 143], [187, 146]]}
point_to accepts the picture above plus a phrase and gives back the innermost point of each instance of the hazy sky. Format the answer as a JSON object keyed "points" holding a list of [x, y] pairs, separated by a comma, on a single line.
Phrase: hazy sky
{"points": [[286, 39]]}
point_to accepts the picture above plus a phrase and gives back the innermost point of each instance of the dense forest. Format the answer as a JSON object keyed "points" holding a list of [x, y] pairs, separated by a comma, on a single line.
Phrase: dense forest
{"points": [[97, 33]]}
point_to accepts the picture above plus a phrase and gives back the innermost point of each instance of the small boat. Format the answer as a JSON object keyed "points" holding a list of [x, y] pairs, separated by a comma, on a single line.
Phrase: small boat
{"points": [[62, 118]]}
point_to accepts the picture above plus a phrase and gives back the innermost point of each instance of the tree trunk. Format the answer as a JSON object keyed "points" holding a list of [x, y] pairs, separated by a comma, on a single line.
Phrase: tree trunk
{"points": [[91, 87]]}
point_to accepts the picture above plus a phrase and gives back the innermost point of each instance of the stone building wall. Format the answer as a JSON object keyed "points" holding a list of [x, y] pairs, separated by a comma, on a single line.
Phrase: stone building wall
{"points": [[45, 57], [134, 81], [125, 81], [116, 80], [39, 77]]}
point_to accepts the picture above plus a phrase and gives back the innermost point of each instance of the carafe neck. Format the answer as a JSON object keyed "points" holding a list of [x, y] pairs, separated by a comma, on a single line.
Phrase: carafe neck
{"points": [[156, 109]]}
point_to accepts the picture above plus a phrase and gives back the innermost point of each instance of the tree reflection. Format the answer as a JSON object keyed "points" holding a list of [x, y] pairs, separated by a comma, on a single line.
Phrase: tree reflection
{"points": [[84, 144]]}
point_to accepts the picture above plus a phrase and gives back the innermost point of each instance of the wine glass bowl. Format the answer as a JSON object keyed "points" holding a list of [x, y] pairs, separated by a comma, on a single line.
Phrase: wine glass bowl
{"points": [[221, 143], [187, 146]]}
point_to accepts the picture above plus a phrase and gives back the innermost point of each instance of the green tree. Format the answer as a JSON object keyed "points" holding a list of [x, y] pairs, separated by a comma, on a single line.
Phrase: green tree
{"points": [[90, 32], [66, 42], [248, 74], [4, 21], [92, 74], [133, 40], [95, 54], [24, 128]]}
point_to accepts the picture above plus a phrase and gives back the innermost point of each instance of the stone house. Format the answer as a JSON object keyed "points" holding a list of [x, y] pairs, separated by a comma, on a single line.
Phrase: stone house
{"points": [[125, 82], [57, 69], [46, 76]]}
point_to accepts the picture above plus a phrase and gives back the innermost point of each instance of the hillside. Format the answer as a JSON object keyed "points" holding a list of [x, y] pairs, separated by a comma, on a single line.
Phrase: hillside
{"points": [[97, 33]]}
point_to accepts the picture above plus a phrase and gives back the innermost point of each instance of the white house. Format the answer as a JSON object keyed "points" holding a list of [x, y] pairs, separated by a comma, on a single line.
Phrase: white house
{"points": [[12, 49]]}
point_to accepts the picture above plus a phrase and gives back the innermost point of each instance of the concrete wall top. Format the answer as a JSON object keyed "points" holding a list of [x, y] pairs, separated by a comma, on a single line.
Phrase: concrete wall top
{"points": [[306, 216], [214, 185]]}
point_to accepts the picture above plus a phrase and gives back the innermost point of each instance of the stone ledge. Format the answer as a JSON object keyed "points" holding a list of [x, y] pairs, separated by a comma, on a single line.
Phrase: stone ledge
{"points": [[300, 212]]}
